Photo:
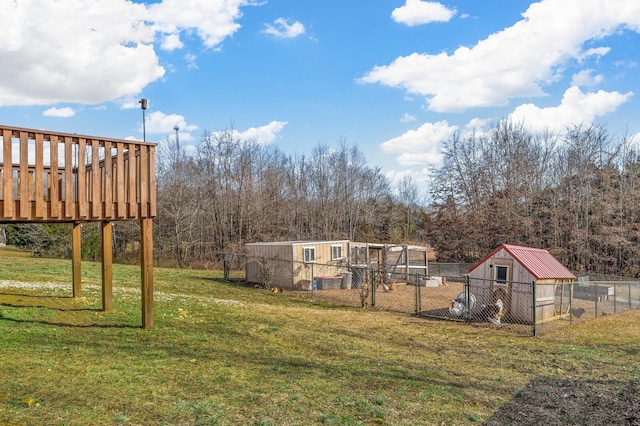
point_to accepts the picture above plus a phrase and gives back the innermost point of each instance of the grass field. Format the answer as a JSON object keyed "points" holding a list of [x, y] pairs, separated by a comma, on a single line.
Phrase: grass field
{"points": [[224, 354]]}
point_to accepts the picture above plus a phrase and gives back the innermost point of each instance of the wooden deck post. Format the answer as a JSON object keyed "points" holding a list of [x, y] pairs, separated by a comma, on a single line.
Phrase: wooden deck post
{"points": [[146, 271], [76, 257], [107, 267]]}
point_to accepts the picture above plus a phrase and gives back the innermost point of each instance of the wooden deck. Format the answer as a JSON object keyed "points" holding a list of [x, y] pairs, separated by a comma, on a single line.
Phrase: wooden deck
{"points": [[60, 177]]}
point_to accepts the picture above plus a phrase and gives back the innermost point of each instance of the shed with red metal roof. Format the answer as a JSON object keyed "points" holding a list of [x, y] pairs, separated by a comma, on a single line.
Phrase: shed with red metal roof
{"points": [[523, 278]]}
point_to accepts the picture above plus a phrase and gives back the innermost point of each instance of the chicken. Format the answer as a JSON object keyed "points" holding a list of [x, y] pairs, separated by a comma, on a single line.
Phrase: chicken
{"points": [[459, 304], [456, 309], [493, 312]]}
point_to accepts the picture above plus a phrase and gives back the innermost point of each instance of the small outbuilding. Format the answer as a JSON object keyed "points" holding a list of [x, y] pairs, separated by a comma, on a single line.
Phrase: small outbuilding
{"points": [[337, 264], [520, 277], [295, 264]]}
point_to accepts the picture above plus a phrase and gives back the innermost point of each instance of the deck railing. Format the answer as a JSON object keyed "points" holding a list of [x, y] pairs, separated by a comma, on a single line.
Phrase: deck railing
{"points": [[57, 177]]}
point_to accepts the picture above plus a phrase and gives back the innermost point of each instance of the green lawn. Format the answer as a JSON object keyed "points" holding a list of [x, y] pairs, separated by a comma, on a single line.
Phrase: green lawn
{"points": [[223, 354]]}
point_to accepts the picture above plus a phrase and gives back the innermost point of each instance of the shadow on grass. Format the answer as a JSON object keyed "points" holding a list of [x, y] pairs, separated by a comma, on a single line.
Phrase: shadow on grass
{"points": [[561, 401], [67, 324], [59, 309], [43, 296], [53, 308]]}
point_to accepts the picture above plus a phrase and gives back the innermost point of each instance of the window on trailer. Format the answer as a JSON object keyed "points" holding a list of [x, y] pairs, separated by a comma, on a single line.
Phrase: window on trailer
{"points": [[336, 252], [309, 254]]}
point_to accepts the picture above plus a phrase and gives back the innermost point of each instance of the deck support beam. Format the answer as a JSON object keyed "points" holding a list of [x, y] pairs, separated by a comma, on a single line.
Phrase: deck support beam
{"points": [[107, 267], [146, 271], [76, 259]]}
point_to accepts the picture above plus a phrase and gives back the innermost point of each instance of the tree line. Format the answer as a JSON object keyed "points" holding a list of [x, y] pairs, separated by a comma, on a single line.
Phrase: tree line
{"points": [[233, 191], [576, 194]]}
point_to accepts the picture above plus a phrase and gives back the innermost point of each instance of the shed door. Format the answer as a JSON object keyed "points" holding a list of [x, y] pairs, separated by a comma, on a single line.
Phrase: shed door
{"points": [[501, 284]]}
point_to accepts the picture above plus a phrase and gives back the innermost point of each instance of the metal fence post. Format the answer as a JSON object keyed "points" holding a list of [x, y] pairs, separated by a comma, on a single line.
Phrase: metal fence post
{"points": [[571, 304], [418, 295], [597, 297], [615, 293], [373, 288], [467, 295], [415, 297], [533, 304], [629, 295]]}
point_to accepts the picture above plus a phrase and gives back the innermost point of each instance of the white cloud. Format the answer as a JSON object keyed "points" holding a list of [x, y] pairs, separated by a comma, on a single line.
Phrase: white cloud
{"points": [[477, 124], [586, 78], [171, 42], [158, 122], [65, 112], [420, 177], [190, 59], [576, 107], [103, 50], [263, 135], [516, 62], [213, 21], [420, 146], [418, 12], [407, 118], [281, 28]]}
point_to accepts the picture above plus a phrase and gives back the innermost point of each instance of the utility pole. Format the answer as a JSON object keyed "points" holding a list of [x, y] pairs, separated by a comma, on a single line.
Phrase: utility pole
{"points": [[177, 129], [143, 105]]}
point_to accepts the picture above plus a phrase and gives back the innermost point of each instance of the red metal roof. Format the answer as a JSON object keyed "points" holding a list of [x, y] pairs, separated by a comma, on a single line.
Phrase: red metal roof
{"points": [[539, 262]]}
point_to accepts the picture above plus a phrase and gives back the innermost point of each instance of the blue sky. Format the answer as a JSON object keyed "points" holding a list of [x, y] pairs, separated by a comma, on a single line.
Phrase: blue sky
{"points": [[395, 77]]}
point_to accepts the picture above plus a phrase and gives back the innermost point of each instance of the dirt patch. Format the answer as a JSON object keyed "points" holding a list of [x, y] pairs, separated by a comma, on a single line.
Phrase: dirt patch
{"points": [[400, 297], [553, 401]]}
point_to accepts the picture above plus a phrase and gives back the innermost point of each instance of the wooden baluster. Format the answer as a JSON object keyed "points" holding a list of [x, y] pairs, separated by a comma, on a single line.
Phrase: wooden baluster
{"points": [[108, 181], [95, 188], [143, 178], [119, 179], [23, 177], [70, 196], [152, 181], [54, 187], [7, 178], [81, 178], [133, 195], [41, 207]]}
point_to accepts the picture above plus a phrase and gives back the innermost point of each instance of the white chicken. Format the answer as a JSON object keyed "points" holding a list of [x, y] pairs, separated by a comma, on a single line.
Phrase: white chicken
{"points": [[459, 304]]}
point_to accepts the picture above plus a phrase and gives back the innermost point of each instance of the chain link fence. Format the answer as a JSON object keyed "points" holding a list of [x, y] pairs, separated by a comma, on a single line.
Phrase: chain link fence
{"points": [[526, 308]]}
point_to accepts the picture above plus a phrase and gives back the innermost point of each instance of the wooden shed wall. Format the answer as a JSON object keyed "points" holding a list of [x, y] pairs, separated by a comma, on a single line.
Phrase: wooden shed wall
{"points": [[324, 265], [286, 262], [277, 257]]}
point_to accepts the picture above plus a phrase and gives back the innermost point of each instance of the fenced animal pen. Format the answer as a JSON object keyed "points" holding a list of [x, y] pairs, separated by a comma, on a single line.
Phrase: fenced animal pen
{"points": [[53, 177], [548, 305]]}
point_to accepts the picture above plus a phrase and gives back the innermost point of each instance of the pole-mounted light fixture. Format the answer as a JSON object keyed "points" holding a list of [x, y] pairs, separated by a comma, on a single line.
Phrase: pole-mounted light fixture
{"points": [[143, 104]]}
